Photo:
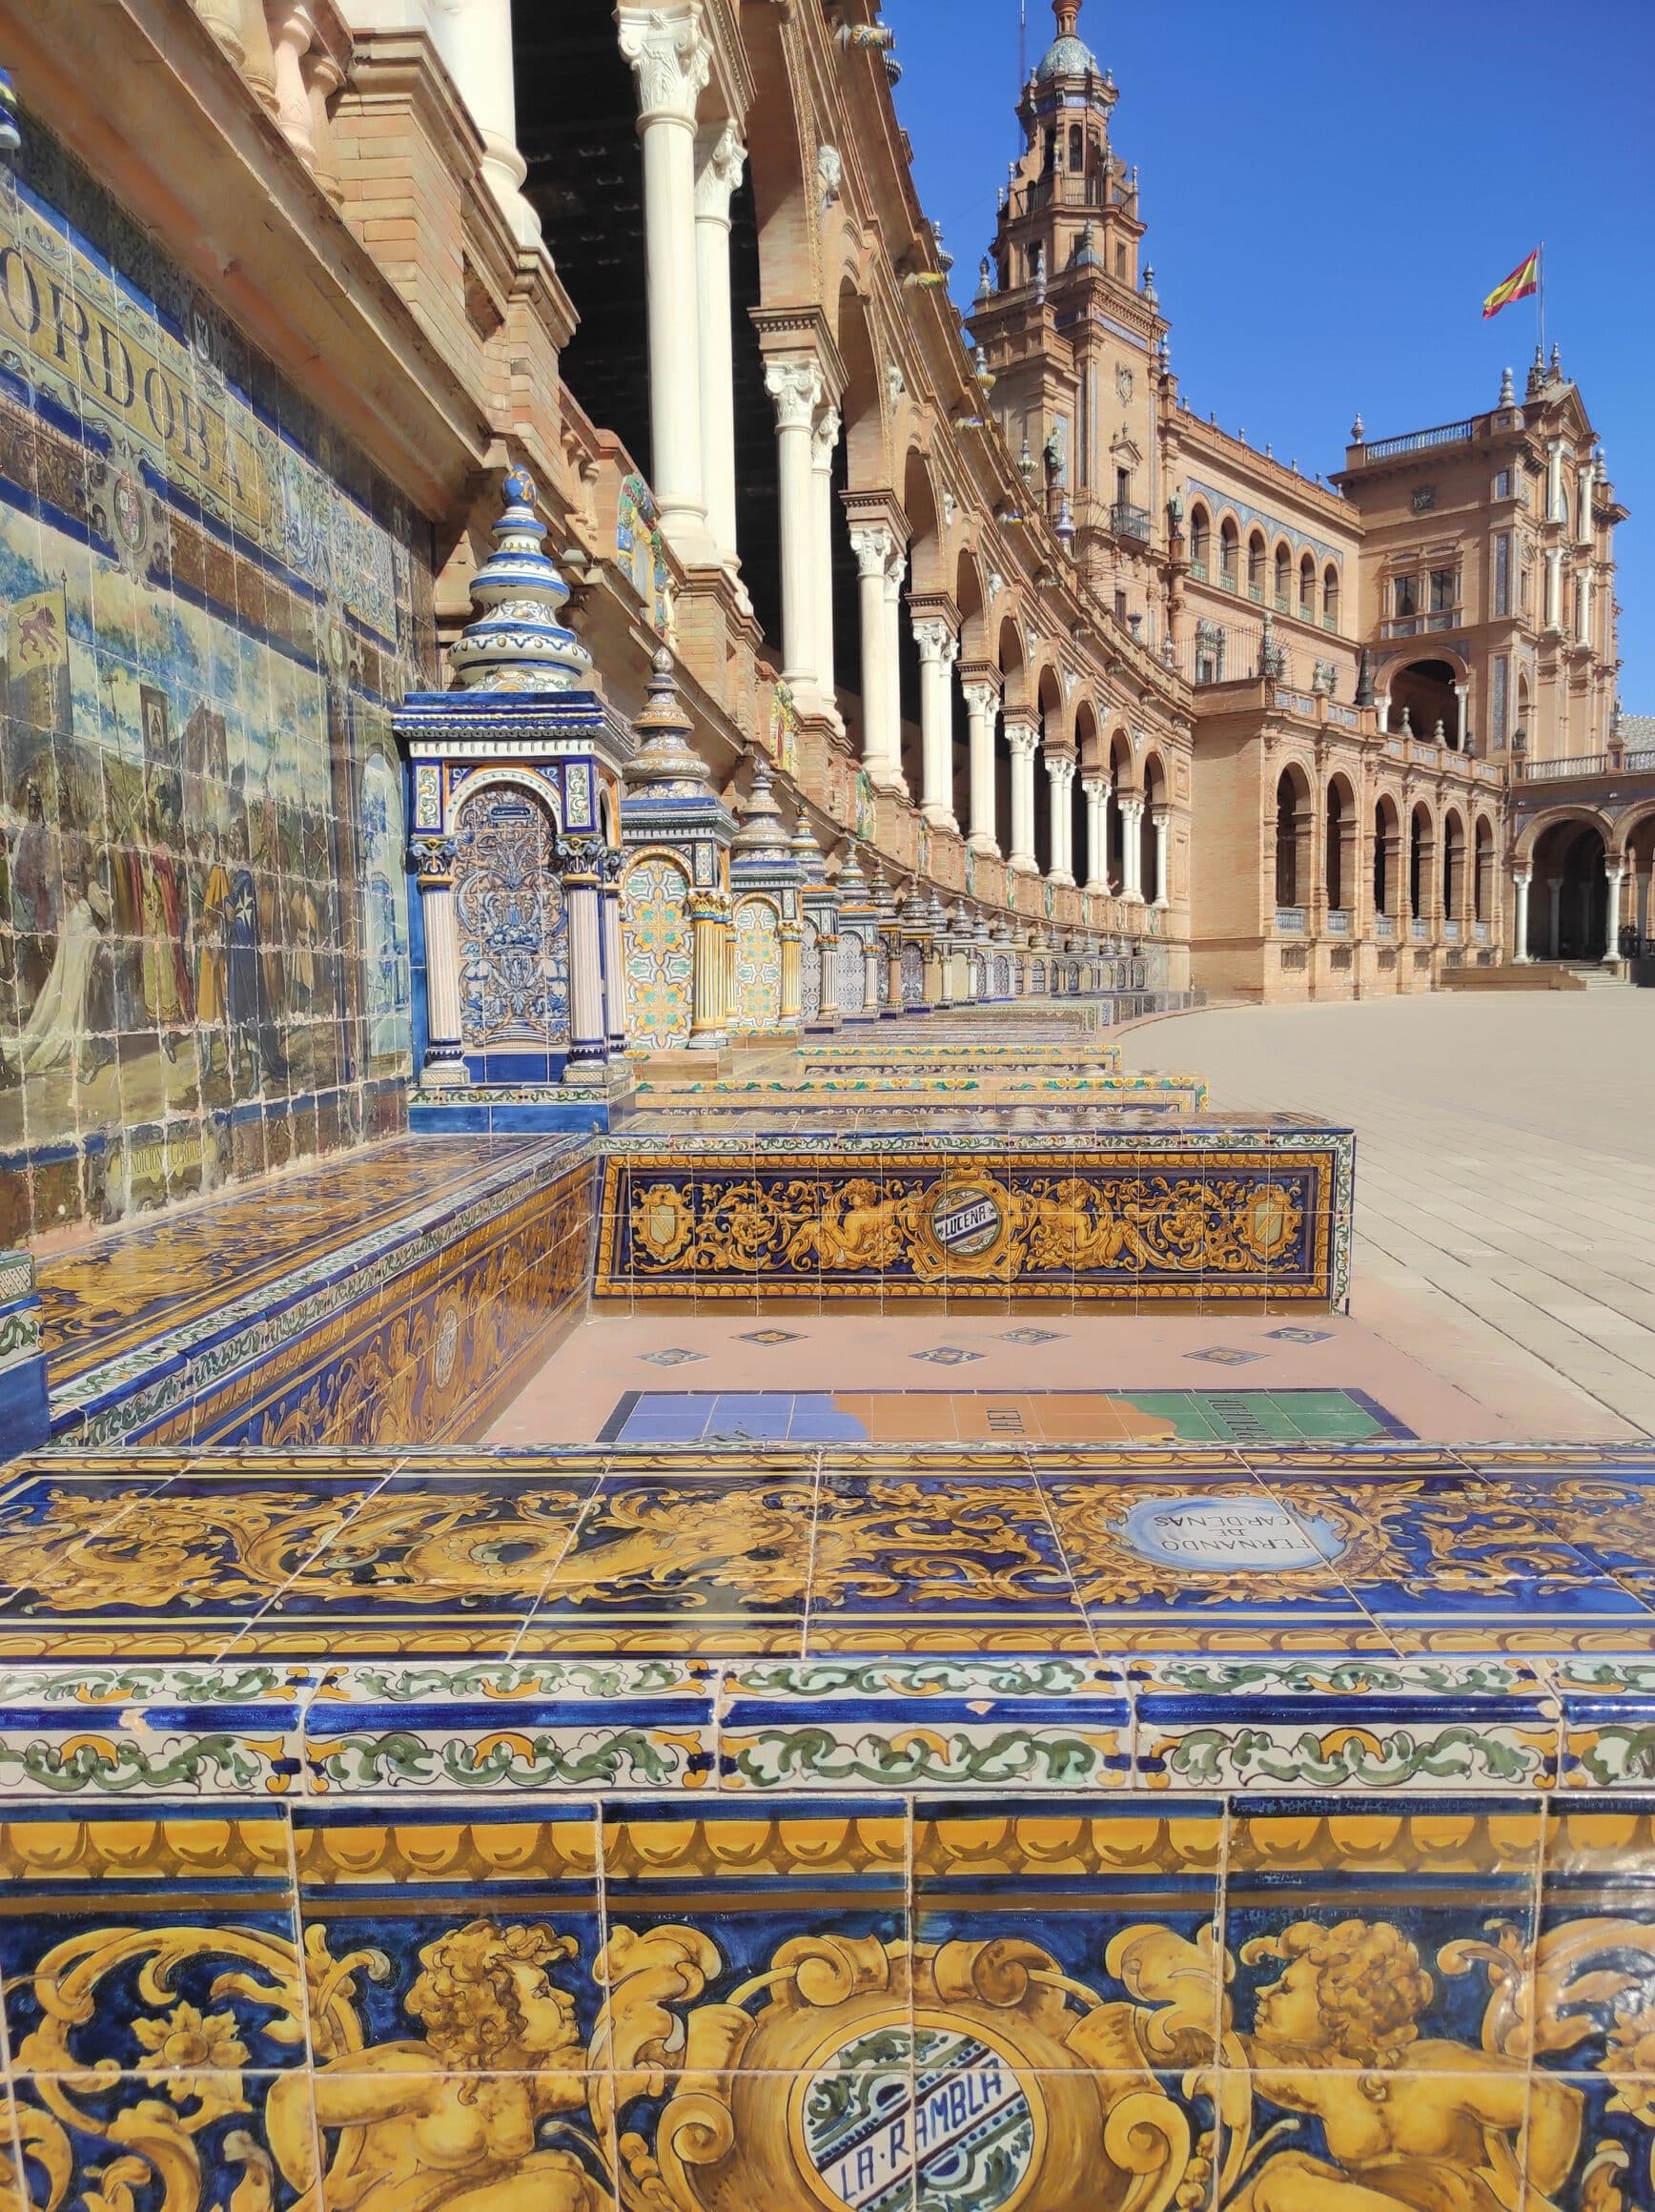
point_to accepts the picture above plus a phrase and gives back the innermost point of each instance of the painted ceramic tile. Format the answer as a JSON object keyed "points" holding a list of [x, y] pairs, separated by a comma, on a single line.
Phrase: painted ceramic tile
{"points": [[183, 575]]}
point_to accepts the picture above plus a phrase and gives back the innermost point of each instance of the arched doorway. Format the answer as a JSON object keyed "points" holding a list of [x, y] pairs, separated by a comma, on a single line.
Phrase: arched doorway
{"points": [[1568, 908], [1425, 689], [1387, 857], [1340, 858], [1421, 860], [1453, 868], [1293, 829], [1155, 891], [1483, 872]]}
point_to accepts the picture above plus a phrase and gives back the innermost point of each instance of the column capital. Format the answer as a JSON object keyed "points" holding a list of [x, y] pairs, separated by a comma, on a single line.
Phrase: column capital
{"points": [[980, 696], [1096, 787], [824, 437], [1160, 816], [1060, 767], [721, 158], [1024, 741], [1132, 803], [935, 640], [432, 861], [794, 382], [872, 543], [671, 58]]}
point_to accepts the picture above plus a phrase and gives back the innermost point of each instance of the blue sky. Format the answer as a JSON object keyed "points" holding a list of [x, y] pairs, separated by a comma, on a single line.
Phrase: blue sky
{"points": [[1332, 186]]}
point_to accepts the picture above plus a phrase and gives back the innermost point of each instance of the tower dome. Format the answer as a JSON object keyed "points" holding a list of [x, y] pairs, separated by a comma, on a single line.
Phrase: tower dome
{"points": [[1067, 55]]}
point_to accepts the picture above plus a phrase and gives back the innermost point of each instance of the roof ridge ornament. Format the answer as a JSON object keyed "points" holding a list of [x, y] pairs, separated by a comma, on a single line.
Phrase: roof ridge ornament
{"points": [[515, 641]]}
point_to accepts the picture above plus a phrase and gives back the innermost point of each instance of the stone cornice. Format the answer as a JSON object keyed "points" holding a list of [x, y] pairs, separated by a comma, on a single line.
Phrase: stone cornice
{"points": [[802, 330], [211, 174]]}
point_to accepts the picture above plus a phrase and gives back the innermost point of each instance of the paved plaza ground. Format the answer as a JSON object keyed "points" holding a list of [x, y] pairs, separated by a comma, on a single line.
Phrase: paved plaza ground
{"points": [[1506, 1187], [1503, 1282]]}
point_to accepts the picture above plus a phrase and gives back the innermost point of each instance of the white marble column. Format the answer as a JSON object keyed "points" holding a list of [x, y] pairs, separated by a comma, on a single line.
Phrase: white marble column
{"points": [[1554, 587], [1586, 635], [1463, 705], [824, 444], [671, 60], [1161, 817], [1555, 511], [938, 651], [1584, 534], [721, 158], [1612, 914], [982, 706], [1096, 789], [872, 547], [1059, 775], [795, 385], [1024, 743], [445, 1062], [474, 39], [1520, 880], [1132, 817], [895, 571]]}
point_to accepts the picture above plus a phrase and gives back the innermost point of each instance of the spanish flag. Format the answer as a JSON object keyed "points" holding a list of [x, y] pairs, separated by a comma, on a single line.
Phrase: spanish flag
{"points": [[1523, 280]]}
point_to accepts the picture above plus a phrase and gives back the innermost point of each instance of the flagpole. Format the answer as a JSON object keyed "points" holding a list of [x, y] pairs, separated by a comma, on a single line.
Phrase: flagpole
{"points": [[1539, 298]]}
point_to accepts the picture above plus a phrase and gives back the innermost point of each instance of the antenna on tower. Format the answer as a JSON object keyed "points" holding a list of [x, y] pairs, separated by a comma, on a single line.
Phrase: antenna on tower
{"points": [[1022, 46]]}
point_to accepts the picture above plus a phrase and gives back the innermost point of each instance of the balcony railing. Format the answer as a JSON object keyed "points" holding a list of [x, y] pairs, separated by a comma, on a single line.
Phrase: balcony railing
{"points": [[1125, 521], [1339, 922], [1412, 440], [1281, 602], [1330, 621], [1256, 593], [1583, 764], [1227, 578], [1199, 571], [1290, 921], [1638, 763]]}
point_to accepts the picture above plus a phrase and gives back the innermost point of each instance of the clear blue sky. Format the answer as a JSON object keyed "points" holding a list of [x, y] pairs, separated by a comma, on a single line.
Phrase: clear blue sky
{"points": [[1332, 186]]}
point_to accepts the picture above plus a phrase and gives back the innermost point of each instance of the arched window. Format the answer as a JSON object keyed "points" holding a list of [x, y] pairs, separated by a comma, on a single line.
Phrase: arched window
{"points": [[1256, 566], [1229, 554], [1330, 597], [1307, 589], [1283, 570], [1200, 532], [1076, 150], [1292, 837]]}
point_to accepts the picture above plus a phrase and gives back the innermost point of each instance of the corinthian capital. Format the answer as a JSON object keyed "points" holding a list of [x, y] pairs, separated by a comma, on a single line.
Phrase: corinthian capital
{"points": [[1022, 741], [872, 547], [723, 158], [826, 440], [671, 58], [795, 385], [933, 638]]}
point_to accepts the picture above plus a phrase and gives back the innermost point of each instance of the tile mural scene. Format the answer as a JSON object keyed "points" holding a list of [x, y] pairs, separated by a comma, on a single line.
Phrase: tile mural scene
{"points": [[826, 1320], [209, 613]]}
